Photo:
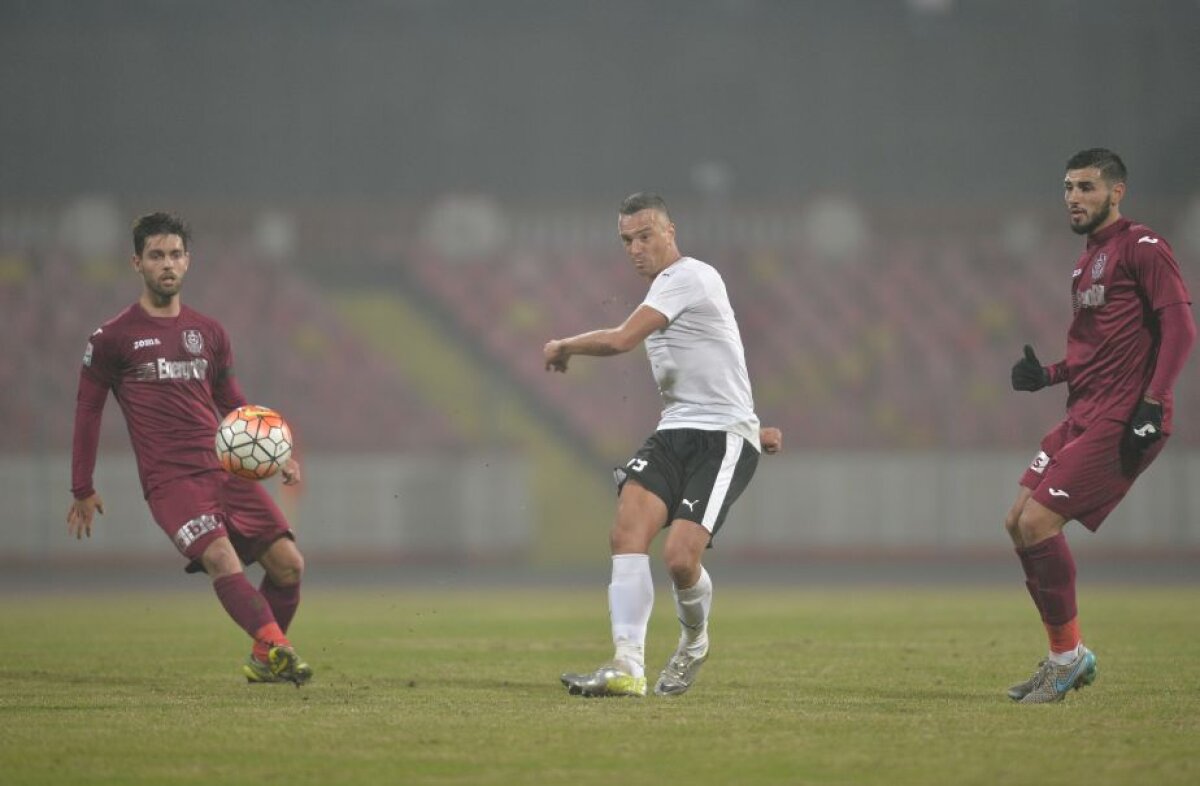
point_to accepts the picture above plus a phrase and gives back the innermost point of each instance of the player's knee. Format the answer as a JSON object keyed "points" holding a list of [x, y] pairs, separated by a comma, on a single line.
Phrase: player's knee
{"points": [[220, 559], [1035, 524], [285, 567], [289, 573], [283, 563], [682, 565]]}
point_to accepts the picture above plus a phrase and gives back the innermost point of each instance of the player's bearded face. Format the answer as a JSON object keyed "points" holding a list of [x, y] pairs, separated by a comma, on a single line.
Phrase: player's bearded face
{"points": [[1084, 222], [163, 264], [1090, 200]]}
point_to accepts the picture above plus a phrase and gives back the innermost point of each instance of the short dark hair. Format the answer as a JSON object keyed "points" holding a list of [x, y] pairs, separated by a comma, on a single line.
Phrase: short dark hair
{"points": [[153, 224], [1111, 167], [643, 200]]}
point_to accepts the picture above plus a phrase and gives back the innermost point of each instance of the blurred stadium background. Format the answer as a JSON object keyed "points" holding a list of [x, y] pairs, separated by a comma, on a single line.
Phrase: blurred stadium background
{"points": [[397, 202]]}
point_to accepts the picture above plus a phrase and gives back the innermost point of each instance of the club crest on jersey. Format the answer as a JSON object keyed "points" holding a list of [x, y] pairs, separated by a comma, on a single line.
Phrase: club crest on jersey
{"points": [[193, 342], [1098, 265]]}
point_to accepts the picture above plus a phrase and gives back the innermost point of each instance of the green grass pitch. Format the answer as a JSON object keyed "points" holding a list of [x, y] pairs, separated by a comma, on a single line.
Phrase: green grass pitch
{"points": [[838, 686]]}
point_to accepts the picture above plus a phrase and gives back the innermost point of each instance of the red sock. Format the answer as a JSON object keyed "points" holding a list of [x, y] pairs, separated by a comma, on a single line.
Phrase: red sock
{"points": [[1051, 568], [282, 600], [250, 610], [265, 638], [1030, 581]]}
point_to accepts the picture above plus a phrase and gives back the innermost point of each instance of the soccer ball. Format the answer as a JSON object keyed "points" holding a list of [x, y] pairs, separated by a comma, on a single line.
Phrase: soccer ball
{"points": [[253, 442]]}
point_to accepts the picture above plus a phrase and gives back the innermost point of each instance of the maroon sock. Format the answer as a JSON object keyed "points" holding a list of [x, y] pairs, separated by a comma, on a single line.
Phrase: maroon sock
{"points": [[244, 603], [1052, 570], [1030, 581], [282, 600]]}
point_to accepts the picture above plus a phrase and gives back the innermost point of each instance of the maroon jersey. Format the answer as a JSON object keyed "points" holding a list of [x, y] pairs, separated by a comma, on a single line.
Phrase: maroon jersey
{"points": [[171, 377], [1126, 274]]}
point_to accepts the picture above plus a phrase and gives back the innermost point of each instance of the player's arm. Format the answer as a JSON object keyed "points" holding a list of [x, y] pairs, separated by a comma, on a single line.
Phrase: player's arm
{"points": [[227, 393], [1177, 331], [1158, 276], [606, 341], [89, 411], [1162, 286]]}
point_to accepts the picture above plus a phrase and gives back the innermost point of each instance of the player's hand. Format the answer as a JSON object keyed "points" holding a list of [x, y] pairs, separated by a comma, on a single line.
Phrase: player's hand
{"points": [[1028, 372], [555, 356], [771, 440], [291, 472], [1145, 428], [80, 514]]}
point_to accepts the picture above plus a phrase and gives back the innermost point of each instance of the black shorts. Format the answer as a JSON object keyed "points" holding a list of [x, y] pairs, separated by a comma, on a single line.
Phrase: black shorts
{"points": [[698, 474]]}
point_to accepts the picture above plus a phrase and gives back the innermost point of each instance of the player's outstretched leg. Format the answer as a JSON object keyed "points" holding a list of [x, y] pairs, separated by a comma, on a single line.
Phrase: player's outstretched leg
{"points": [[1056, 680], [611, 679]]}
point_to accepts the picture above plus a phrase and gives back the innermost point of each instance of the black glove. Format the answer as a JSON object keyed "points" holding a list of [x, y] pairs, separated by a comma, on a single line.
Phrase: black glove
{"points": [[1028, 373], [1146, 426]]}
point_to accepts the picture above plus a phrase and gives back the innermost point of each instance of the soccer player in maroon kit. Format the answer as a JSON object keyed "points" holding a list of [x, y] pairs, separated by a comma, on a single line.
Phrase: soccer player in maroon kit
{"points": [[171, 370], [1130, 335]]}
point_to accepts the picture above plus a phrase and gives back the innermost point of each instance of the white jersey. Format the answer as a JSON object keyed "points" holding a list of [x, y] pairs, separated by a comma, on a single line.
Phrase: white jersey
{"points": [[697, 359]]}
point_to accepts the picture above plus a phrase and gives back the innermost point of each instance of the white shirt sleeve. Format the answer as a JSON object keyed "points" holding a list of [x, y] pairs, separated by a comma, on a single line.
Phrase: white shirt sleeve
{"points": [[673, 292]]}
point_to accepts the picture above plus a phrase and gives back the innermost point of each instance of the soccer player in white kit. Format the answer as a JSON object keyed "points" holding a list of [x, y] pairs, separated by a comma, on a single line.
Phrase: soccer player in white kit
{"points": [[690, 471]]}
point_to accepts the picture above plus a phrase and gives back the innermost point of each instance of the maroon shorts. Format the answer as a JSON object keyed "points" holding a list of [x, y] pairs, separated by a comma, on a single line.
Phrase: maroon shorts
{"points": [[196, 510], [1082, 473]]}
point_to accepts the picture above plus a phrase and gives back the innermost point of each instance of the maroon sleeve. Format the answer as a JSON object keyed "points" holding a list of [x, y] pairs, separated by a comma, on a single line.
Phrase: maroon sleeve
{"points": [[1057, 372], [89, 409], [227, 393], [1157, 272], [1178, 331]]}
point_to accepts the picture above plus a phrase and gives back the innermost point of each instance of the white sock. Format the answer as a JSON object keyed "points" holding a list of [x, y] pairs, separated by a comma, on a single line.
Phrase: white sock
{"points": [[1063, 658], [630, 600], [692, 605]]}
